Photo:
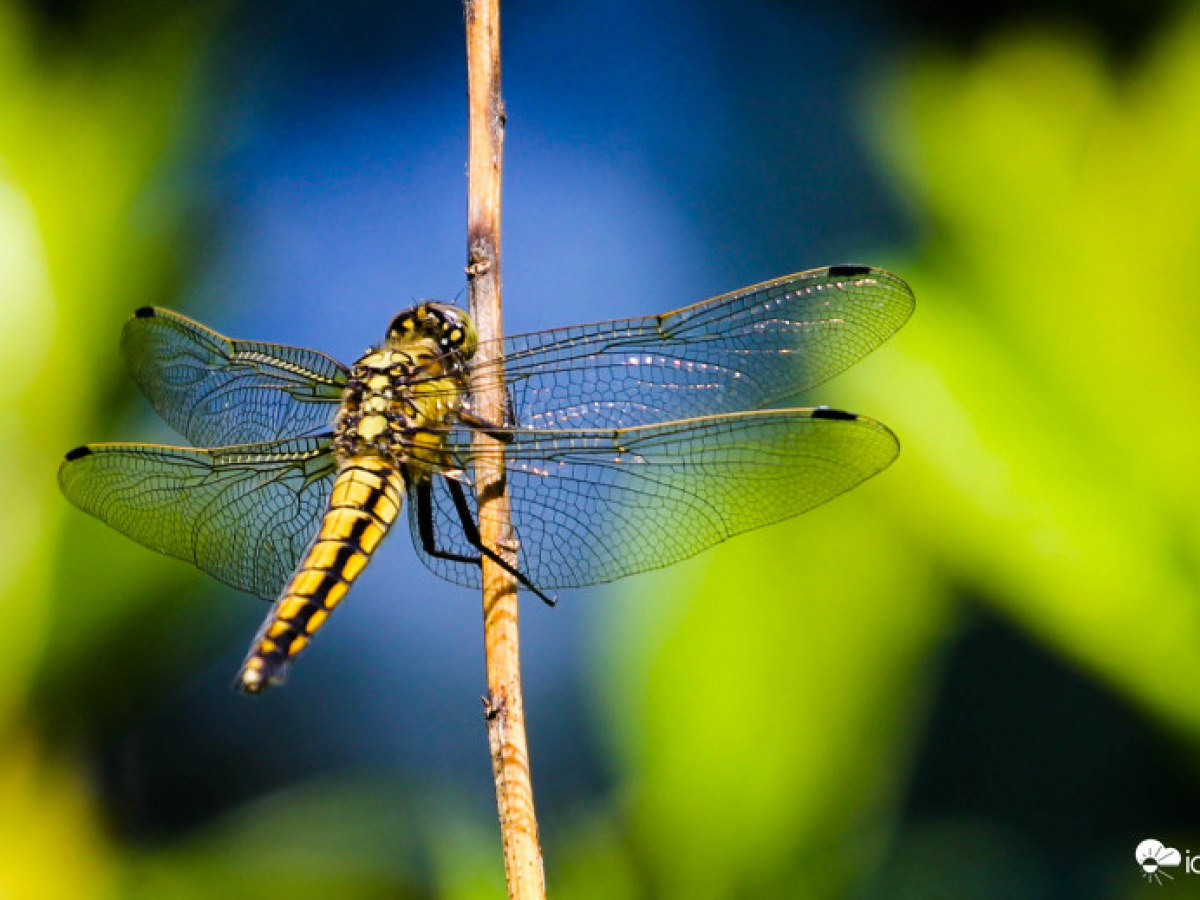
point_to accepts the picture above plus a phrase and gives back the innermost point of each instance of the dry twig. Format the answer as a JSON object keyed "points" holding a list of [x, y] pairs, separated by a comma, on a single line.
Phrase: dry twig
{"points": [[505, 711]]}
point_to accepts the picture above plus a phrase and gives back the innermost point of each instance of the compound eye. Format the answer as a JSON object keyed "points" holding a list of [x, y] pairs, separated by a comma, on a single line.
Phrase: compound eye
{"points": [[456, 332], [404, 324], [448, 326]]}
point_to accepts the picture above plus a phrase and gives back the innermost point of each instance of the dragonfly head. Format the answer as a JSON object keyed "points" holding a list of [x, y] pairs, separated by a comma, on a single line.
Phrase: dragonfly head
{"points": [[449, 327]]}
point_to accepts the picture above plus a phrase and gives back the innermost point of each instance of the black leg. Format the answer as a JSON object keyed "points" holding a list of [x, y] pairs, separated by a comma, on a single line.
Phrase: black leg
{"points": [[471, 533], [424, 492], [499, 432]]}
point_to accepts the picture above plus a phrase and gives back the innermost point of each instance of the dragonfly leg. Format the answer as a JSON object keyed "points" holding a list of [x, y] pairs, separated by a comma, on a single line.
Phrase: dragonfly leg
{"points": [[501, 433], [425, 527], [471, 533]]}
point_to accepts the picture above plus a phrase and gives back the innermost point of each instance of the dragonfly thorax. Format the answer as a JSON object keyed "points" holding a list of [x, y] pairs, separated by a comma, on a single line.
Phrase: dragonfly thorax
{"points": [[398, 403]]}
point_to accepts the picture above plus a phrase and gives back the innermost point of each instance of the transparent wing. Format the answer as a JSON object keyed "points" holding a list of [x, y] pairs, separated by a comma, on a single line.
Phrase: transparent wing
{"points": [[592, 506], [747, 350], [243, 514], [217, 392]]}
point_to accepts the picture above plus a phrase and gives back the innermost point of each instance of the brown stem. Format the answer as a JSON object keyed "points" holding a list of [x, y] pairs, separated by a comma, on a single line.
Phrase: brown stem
{"points": [[504, 706]]}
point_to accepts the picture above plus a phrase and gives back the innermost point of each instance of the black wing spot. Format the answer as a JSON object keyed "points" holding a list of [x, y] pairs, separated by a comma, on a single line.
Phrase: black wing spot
{"points": [[828, 412], [849, 271], [145, 312], [78, 453]]}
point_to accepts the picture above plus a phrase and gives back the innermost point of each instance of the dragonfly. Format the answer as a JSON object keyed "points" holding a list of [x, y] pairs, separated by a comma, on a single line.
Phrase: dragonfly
{"points": [[628, 445]]}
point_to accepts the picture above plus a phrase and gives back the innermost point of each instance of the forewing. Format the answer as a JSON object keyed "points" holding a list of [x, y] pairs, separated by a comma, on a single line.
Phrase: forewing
{"points": [[243, 514], [592, 506], [216, 391], [747, 350]]}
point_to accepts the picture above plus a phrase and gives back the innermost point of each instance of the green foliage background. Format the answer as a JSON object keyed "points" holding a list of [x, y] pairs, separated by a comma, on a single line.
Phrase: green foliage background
{"points": [[1045, 393]]}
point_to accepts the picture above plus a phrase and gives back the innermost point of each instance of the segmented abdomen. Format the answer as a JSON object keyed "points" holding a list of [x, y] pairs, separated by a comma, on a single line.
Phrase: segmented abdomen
{"points": [[365, 501]]}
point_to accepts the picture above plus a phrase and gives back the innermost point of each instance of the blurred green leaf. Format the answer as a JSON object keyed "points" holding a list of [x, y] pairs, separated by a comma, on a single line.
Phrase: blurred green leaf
{"points": [[1048, 389], [778, 704], [86, 138], [466, 852], [53, 843], [591, 861], [330, 838], [85, 130]]}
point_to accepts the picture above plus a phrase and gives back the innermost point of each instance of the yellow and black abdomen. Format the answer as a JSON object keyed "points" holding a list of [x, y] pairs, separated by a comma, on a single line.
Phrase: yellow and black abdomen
{"points": [[364, 503]]}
